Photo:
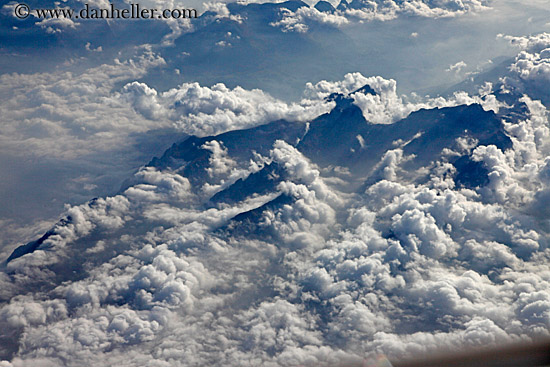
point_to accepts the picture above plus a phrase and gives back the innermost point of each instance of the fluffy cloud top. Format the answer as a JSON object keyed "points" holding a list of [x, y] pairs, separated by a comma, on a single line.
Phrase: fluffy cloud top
{"points": [[50, 113], [203, 111], [298, 21], [360, 10], [531, 68]]}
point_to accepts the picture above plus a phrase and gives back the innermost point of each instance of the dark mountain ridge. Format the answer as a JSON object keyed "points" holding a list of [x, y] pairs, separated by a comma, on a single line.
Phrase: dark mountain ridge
{"points": [[329, 140]]}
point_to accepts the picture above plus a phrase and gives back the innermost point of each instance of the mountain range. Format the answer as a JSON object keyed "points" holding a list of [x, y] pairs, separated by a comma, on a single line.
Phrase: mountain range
{"points": [[304, 242]]}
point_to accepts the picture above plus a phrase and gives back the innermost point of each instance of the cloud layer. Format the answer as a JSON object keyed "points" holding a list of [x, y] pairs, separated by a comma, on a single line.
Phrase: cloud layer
{"points": [[303, 18], [311, 264]]}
